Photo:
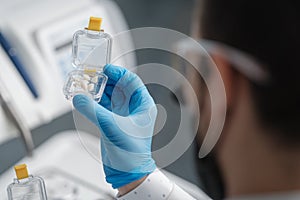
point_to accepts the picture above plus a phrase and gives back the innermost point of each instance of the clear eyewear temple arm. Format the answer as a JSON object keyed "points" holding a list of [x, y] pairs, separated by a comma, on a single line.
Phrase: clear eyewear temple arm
{"points": [[243, 62]]}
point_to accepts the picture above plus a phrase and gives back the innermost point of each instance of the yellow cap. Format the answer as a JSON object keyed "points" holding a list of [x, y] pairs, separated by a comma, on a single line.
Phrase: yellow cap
{"points": [[21, 171], [95, 24]]}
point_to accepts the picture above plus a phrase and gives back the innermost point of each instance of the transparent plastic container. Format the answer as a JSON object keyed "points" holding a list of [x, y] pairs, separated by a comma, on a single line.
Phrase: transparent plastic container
{"points": [[26, 187], [91, 51]]}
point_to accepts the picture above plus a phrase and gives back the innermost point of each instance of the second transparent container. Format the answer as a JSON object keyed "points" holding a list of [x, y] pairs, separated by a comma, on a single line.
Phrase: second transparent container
{"points": [[26, 187]]}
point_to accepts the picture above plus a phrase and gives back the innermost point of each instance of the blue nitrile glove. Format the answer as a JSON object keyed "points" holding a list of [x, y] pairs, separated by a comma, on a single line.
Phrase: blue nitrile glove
{"points": [[125, 116]]}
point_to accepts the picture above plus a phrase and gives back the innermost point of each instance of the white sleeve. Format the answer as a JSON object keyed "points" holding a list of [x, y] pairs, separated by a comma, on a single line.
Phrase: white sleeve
{"points": [[157, 186]]}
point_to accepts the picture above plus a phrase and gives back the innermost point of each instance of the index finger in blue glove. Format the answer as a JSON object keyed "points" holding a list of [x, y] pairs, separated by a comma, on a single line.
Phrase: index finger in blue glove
{"points": [[114, 127], [91, 110]]}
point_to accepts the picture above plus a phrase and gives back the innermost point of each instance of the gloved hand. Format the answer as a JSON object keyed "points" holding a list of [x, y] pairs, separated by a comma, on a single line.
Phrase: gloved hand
{"points": [[125, 116]]}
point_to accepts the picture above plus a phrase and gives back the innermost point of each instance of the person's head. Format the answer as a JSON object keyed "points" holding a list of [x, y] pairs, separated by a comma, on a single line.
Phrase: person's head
{"points": [[261, 118]]}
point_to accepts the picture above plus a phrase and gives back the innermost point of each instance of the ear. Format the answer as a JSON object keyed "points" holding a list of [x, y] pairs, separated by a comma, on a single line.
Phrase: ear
{"points": [[228, 74]]}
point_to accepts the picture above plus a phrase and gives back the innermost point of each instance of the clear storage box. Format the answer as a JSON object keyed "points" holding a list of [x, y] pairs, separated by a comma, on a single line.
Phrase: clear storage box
{"points": [[91, 51]]}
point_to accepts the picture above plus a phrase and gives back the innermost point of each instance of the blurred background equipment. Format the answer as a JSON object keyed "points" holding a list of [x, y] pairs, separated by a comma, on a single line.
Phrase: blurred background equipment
{"points": [[12, 114]]}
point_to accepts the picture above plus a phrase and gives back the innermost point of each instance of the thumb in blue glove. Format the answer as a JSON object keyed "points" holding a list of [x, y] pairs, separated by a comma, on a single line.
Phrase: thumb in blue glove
{"points": [[125, 116]]}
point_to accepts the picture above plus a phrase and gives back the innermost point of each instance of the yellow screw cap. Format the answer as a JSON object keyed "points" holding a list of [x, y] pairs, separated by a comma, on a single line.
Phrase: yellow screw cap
{"points": [[21, 171], [95, 24]]}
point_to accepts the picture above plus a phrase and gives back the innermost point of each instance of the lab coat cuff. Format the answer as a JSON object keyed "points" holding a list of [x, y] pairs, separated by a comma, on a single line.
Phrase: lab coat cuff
{"points": [[156, 186]]}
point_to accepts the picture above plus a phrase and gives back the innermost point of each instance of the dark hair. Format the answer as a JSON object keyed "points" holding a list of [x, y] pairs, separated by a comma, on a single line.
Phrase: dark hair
{"points": [[269, 31]]}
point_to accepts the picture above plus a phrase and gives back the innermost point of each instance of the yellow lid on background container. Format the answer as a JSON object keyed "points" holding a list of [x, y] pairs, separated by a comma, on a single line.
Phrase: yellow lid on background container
{"points": [[95, 24], [21, 171]]}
